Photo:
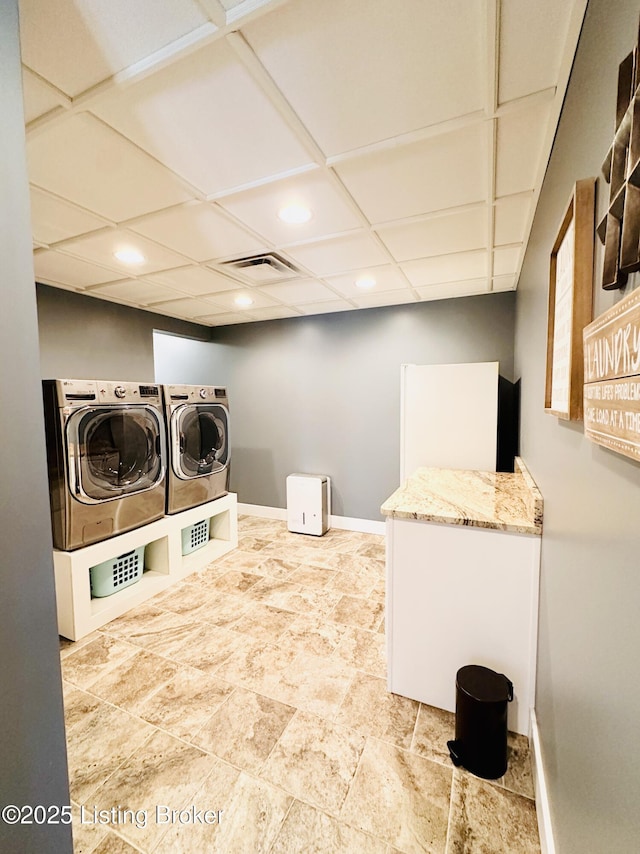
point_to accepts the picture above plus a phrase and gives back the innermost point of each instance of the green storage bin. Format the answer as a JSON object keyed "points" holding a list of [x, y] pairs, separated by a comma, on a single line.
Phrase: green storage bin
{"points": [[117, 573], [195, 536]]}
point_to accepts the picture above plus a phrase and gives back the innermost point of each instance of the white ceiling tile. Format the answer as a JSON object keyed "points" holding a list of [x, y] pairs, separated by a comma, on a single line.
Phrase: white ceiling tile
{"points": [[195, 280], [227, 299], [326, 307], [299, 291], [188, 308], [532, 37], [386, 279], [55, 219], [511, 218], [371, 300], [231, 4], [504, 283], [53, 266], [458, 231], [199, 231], [454, 289], [99, 38], [367, 70], [137, 291], [273, 313], [38, 98], [328, 257], [506, 260], [437, 173], [520, 139], [259, 208], [207, 119], [225, 318], [446, 268], [80, 159], [100, 248]]}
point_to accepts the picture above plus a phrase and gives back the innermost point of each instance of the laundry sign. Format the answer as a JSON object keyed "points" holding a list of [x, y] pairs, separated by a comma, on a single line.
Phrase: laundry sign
{"points": [[612, 378]]}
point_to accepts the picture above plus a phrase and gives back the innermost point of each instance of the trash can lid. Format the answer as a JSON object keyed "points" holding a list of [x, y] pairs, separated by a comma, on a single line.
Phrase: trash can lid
{"points": [[484, 684]]}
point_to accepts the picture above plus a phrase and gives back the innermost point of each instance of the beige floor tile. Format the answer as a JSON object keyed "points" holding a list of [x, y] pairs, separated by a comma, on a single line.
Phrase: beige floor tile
{"points": [[186, 702], [358, 564], [67, 647], [244, 730], [353, 583], [276, 567], [95, 659], [251, 543], [518, 778], [257, 666], [113, 844], [308, 600], [434, 728], [77, 704], [181, 599], [486, 818], [98, 744], [85, 836], [163, 772], [363, 650], [252, 814], [376, 551], [209, 647], [315, 761], [313, 634], [311, 576], [314, 684], [401, 798], [262, 622], [370, 709], [243, 561], [235, 581], [311, 831], [274, 592], [363, 613], [135, 680]]}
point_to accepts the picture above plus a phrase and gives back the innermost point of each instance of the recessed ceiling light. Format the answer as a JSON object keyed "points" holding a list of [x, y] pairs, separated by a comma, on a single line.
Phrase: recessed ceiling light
{"points": [[365, 282], [128, 255], [243, 301], [294, 214]]}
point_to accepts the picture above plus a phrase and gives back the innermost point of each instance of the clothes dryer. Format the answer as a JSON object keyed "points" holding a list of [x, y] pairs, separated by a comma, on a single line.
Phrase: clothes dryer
{"points": [[106, 453], [197, 419]]}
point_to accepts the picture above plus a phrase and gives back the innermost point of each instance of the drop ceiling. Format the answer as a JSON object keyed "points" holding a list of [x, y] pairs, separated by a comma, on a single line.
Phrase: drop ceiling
{"points": [[416, 132]]}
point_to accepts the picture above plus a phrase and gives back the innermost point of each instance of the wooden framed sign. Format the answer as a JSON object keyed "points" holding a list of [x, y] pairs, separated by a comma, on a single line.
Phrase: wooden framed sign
{"points": [[612, 378], [570, 303]]}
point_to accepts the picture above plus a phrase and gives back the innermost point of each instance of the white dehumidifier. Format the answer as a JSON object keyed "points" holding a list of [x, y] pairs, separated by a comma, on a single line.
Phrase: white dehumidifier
{"points": [[308, 503]]}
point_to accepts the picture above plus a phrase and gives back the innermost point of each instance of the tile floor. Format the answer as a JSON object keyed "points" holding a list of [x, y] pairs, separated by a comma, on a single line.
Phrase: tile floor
{"points": [[246, 710]]}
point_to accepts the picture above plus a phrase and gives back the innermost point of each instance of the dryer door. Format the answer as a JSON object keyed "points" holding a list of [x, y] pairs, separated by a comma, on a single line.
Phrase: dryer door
{"points": [[114, 451], [200, 439]]}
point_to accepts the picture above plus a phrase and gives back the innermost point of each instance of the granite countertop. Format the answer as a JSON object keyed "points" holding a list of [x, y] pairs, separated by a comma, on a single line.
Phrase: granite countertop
{"points": [[503, 501]]}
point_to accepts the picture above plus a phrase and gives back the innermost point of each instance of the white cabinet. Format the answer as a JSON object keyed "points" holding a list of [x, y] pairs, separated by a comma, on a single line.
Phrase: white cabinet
{"points": [[164, 565], [459, 595]]}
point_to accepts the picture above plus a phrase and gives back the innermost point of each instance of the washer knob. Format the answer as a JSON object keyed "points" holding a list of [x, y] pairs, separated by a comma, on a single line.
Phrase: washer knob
{"points": [[203, 393], [119, 391]]}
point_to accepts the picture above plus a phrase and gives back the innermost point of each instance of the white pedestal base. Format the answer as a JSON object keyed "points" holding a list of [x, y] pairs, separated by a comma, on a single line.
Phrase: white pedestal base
{"points": [[164, 565]]}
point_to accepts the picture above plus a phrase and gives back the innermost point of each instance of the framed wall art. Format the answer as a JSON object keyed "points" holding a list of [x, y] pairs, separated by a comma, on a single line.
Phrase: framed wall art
{"points": [[570, 303]]}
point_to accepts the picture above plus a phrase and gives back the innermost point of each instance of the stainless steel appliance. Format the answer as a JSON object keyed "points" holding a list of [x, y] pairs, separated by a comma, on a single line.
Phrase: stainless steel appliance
{"points": [[106, 453], [198, 431]]}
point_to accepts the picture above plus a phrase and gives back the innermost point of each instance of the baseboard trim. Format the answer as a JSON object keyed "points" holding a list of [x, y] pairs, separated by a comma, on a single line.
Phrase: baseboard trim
{"points": [[344, 523], [543, 811]]}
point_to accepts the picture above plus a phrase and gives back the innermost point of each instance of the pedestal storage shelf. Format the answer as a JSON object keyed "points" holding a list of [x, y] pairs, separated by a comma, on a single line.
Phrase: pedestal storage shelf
{"points": [[164, 565]]}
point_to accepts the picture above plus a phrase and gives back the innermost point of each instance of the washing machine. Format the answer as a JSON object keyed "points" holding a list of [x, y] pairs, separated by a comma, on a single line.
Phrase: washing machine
{"points": [[197, 419], [106, 457]]}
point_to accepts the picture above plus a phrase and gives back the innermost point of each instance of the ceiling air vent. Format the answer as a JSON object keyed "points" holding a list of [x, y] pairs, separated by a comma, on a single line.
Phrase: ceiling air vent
{"points": [[269, 267]]}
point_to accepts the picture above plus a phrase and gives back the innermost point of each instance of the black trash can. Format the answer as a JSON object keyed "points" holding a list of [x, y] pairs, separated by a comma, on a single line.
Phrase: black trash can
{"points": [[480, 744]]}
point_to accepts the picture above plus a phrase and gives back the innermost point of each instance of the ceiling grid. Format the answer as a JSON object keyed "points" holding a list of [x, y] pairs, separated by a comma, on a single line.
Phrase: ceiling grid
{"points": [[416, 134]]}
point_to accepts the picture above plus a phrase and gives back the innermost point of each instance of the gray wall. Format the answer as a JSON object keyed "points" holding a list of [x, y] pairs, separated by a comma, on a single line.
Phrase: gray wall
{"points": [[321, 394], [32, 742], [588, 697], [86, 338]]}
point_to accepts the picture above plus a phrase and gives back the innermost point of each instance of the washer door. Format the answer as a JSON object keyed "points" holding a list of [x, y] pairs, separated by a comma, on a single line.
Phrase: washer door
{"points": [[113, 451], [200, 439]]}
